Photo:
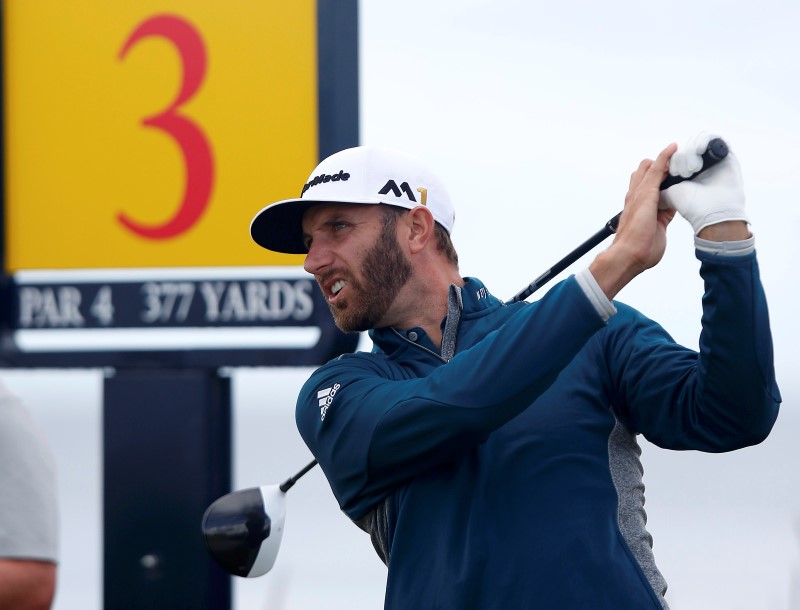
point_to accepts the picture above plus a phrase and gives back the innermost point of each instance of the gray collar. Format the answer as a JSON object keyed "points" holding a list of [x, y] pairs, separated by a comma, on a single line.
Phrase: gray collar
{"points": [[454, 307]]}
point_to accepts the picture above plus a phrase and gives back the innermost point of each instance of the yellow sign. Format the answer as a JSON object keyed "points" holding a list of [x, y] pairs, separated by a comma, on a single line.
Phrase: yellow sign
{"points": [[148, 133]]}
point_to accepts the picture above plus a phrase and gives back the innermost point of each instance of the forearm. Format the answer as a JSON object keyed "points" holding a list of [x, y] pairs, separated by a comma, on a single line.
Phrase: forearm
{"points": [[724, 239], [737, 394], [722, 398], [613, 270], [616, 267]]}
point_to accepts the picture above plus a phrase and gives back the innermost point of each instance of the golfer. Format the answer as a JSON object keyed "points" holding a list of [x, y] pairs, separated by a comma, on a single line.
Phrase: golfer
{"points": [[490, 450]]}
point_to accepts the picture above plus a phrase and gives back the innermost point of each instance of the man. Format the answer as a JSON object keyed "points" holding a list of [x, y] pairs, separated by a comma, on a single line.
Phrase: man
{"points": [[489, 449], [28, 510]]}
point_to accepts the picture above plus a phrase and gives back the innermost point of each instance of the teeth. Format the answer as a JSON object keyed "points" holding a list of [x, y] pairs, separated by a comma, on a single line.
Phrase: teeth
{"points": [[338, 286]]}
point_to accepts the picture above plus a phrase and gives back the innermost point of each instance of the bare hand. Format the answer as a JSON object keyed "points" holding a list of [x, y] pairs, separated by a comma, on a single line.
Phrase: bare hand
{"points": [[642, 229], [641, 237]]}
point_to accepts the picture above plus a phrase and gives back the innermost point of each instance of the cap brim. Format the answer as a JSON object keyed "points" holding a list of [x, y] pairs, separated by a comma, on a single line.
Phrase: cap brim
{"points": [[279, 226]]}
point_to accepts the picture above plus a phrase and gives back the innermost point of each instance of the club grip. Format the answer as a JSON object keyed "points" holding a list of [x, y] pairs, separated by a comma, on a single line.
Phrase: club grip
{"points": [[717, 150]]}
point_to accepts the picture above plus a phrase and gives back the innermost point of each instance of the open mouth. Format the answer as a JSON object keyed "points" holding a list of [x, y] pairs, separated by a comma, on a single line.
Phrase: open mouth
{"points": [[335, 289]]}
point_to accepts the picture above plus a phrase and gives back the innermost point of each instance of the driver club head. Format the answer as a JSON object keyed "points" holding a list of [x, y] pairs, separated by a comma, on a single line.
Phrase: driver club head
{"points": [[243, 529]]}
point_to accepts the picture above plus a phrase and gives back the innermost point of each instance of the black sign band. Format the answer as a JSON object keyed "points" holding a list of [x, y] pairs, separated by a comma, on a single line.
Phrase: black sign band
{"points": [[167, 304]]}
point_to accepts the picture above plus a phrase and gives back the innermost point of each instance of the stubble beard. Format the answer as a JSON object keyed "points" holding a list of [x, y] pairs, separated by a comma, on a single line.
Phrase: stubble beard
{"points": [[385, 270]]}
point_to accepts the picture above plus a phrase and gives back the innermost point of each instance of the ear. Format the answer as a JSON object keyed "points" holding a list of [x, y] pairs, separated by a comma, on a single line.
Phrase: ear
{"points": [[421, 228]]}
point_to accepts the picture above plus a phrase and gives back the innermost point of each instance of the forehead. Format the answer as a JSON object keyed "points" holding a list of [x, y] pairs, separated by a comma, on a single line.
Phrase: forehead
{"points": [[325, 212]]}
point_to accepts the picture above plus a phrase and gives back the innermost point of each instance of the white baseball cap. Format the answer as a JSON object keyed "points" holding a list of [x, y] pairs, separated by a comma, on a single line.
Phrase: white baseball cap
{"points": [[362, 174]]}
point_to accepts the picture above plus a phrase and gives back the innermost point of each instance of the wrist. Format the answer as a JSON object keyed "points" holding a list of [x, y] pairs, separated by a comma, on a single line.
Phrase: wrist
{"points": [[731, 230], [602, 305], [612, 271]]}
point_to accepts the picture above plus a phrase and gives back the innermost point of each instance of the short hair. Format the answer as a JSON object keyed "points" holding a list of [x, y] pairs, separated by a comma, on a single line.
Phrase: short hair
{"points": [[443, 242]]}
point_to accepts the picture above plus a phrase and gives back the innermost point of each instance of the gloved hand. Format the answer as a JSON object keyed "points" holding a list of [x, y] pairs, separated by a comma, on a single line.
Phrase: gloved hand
{"points": [[716, 195]]}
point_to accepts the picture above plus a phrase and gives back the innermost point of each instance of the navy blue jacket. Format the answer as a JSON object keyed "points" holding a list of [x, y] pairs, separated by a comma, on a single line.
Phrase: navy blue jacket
{"points": [[509, 477]]}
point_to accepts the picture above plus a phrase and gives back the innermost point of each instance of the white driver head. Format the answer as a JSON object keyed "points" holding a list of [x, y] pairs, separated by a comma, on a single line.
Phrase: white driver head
{"points": [[243, 529], [275, 506]]}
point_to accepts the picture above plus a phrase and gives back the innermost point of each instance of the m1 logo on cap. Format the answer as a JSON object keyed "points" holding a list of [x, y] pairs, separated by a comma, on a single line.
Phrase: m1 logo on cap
{"points": [[325, 178], [404, 188]]}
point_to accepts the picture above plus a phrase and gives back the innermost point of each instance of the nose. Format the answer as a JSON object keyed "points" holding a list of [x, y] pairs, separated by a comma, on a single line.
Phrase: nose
{"points": [[317, 259]]}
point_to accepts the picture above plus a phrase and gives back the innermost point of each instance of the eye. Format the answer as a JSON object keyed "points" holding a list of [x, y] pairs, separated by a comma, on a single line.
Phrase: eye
{"points": [[339, 225]]}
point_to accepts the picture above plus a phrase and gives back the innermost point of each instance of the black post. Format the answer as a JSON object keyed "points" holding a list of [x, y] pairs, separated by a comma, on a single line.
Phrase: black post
{"points": [[337, 75], [167, 456]]}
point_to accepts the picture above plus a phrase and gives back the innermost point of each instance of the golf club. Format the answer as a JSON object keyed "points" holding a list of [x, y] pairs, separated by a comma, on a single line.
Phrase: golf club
{"points": [[243, 529]]}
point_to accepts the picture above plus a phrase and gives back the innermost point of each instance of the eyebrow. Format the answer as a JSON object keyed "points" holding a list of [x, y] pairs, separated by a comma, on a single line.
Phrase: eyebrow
{"points": [[325, 221]]}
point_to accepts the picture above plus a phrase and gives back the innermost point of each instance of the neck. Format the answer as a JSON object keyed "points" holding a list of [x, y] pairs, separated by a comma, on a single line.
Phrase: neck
{"points": [[422, 303]]}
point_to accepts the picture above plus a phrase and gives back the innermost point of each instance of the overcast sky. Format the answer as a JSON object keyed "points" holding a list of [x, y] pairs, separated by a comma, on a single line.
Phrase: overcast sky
{"points": [[534, 114]]}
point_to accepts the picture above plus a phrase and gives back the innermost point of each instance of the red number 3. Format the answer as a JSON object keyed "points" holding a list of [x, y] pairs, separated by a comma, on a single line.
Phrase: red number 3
{"points": [[194, 145]]}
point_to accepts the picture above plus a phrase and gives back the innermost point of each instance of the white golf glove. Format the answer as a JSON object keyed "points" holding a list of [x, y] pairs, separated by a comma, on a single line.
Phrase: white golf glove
{"points": [[716, 195]]}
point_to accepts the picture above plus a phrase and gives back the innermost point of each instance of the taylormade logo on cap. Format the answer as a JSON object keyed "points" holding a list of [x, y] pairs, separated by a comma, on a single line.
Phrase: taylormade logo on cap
{"points": [[325, 178], [360, 175]]}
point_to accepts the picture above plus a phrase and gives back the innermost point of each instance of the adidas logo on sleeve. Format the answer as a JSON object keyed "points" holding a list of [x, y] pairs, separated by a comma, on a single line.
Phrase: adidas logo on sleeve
{"points": [[325, 399]]}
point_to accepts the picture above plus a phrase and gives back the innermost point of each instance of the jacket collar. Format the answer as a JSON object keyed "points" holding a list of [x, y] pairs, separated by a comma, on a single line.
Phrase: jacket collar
{"points": [[475, 301]]}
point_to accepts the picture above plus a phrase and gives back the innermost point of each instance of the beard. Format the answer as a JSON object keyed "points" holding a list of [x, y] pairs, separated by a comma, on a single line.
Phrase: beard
{"points": [[385, 270]]}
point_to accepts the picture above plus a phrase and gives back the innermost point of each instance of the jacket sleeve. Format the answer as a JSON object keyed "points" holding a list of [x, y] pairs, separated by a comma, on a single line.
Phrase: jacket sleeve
{"points": [[370, 433], [723, 398]]}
